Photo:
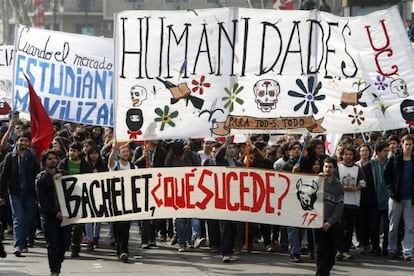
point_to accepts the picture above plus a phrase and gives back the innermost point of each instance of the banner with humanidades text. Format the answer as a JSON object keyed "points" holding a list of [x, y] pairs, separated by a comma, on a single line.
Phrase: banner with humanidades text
{"points": [[238, 194], [71, 73], [6, 73], [216, 72]]}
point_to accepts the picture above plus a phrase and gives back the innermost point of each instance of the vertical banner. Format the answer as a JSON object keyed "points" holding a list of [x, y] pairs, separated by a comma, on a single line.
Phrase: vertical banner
{"points": [[71, 73]]}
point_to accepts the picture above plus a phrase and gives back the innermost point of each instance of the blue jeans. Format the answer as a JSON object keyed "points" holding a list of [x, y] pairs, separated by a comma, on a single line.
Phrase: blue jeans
{"points": [[196, 228], [182, 227], [93, 231], [395, 210], [57, 240], [295, 235], [23, 219]]}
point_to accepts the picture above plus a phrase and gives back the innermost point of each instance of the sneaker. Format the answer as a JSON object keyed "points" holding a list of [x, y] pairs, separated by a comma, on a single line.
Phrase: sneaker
{"points": [[123, 257], [173, 240], [74, 254], [145, 246], [90, 247], [297, 259], [199, 242], [226, 259], [163, 238], [409, 258], [269, 248], [85, 240], [347, 256], [17, 253], [339, 256], [25, 250], [182, 248]]}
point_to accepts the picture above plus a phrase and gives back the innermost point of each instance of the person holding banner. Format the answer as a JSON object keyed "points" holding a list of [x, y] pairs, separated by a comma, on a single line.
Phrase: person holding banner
{"points": [[57, 237], [75, 164], [121, 228], [179, 156], [325, 237]]}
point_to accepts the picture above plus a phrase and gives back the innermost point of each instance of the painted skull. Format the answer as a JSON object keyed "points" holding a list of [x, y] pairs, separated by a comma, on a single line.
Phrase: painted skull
{"points": [[138, 95], [266, 93], [399, 87]]}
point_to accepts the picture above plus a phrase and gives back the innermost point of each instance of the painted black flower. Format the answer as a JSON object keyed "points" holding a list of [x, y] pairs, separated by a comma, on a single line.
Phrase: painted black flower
{"points": [[309, 95]]}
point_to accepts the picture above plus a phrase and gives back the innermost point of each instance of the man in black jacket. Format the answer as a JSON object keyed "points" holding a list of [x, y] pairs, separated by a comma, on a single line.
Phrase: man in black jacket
{"points": [[18, 177], [399, 177], [57, 237]]}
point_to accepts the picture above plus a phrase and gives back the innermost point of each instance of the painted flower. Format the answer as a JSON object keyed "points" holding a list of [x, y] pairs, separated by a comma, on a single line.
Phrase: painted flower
{"points": [[232, 97], [309, 95], [380, 83], [199, 85], [357, 117], [165, 117]]}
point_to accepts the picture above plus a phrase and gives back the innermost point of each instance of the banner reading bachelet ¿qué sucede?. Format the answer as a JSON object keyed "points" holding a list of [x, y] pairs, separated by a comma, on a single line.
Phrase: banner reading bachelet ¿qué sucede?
{"points": [[215, 72], [238, 194], [71, 73]]}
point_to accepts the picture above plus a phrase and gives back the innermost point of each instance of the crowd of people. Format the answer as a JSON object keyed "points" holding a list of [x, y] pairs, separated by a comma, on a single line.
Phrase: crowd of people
{"points": [[369, 192]]}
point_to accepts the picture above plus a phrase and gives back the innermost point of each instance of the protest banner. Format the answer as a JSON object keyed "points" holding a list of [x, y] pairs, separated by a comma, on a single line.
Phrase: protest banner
{"points": [[217, 72], [238, 194], [71, 73], [6, 75]]}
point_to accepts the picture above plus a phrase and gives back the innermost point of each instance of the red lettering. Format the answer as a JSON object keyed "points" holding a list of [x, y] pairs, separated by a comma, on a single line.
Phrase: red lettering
{"points": [[158, 201], [220, 202], [269, 190], [189, 188], [180, 197], [258, 192], [209, 194], [243, 190], [230, 206], [169, 184]]}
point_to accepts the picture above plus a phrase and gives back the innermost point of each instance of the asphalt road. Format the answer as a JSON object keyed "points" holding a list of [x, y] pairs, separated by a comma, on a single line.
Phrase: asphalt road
{"points": [[164, 259]]}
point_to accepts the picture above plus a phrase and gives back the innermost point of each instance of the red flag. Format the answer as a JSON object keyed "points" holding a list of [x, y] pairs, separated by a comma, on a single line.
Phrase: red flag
{"points": [[41, 127], [283, 4]]}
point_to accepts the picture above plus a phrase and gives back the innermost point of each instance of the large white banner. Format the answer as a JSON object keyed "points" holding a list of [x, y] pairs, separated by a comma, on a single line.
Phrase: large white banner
{"points": [[71, 73], [6, 75], [218, 71], [238, 194]]}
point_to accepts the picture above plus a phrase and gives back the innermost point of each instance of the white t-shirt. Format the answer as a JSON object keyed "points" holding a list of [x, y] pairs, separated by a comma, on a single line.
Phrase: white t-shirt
{"points": [[350, 176]]}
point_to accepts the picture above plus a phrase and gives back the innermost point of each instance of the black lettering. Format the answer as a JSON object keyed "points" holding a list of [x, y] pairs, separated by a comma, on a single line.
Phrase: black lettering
{"points": [[68, 185]]}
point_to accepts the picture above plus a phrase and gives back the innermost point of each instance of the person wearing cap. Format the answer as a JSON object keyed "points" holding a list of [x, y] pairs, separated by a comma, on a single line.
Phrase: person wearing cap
{"points": [[75, 164]]}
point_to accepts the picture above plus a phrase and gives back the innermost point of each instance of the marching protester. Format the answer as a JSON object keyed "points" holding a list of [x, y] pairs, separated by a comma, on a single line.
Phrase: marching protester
{"points": [[56, 236], [325, 237], [353, 180], [399, 177], [17, 179], [121, 228], [74, 163]]}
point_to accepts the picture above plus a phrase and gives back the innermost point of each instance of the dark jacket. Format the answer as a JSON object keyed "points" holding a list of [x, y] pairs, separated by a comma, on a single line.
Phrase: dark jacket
{"points": [[158, 160], [9, 176], [85, 167], [393, 173], [46, 193]]}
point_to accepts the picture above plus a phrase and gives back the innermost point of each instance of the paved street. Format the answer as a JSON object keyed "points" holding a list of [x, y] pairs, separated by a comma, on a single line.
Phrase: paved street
{"points": [[165, 260]]}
